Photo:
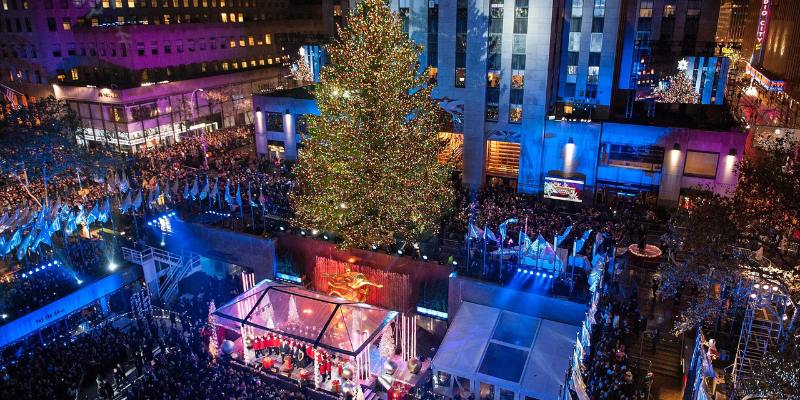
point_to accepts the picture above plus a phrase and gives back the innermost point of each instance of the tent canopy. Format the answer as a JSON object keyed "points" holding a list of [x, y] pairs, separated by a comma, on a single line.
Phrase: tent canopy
{"points": [[324, 321], [512, 351]]}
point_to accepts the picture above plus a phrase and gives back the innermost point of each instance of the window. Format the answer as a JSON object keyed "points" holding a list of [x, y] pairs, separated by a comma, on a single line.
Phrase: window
{"points": [[648, 158], [73, 74], [106, 4], [701, 164], [56, 50], [593, 75], [493, 79], [574, 43], [274, 121], [575, 24], [596, 42], [577, 8], [66, 24], [599, 8], [51, 24], [268, 39], [518, 79], [251, 41], [597, 24], [131, 4], [140, 49], [224, 17], [646, 9]]}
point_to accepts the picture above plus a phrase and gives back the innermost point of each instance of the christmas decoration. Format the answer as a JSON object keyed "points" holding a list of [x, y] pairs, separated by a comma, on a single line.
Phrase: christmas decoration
{"points": [[369, 171], [678, 88], [300, 70], [387, 344], [213, 341], [350, 285], [293, 317]]}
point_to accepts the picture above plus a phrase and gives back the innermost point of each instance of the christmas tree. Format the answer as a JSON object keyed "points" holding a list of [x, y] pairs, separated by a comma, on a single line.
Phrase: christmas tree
{"points": [[368, 171], [387, 345], [678, 89], [213, 341], [300, 71], [293, 316]]}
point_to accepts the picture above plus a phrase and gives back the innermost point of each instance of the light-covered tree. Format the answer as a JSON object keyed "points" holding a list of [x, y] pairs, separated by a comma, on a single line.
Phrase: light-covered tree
{"points": [[368, 171]]}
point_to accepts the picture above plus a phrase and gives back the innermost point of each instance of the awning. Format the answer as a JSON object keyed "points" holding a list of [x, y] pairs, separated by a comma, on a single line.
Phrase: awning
{"points": [[332, 323]]}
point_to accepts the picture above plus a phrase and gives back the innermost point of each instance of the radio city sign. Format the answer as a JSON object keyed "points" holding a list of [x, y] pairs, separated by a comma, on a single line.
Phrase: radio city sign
{"points": [[763, 20]]}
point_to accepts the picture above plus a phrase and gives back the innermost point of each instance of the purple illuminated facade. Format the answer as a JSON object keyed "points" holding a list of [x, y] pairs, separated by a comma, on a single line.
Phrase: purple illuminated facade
{"points": [[130, 67]]}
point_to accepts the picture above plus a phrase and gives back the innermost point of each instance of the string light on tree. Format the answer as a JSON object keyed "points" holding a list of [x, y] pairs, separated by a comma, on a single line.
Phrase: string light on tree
{"points": [[374, 146], [300, 70], [213, 341], [678, 88]]}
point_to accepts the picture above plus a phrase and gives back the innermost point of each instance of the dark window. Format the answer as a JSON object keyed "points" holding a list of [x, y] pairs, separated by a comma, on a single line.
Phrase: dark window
{"points": [[51, 24]]}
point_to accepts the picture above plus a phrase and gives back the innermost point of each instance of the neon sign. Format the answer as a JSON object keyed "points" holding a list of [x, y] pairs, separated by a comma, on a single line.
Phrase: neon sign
{"points": [[763, 21]]}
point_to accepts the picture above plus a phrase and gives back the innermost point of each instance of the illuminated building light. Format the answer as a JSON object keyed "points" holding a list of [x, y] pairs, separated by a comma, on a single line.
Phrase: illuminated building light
{"points": [[431, 313]]}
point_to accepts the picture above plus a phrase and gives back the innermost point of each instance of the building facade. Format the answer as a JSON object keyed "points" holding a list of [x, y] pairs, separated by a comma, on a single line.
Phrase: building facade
{"points": [[586, 63], [125, 45]]}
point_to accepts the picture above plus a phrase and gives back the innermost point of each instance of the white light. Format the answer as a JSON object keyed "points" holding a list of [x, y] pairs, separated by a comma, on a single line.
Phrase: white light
{"points": [[112, 266], [325, 237], [455, 262], [79, 281], [757, 286], [424, 257], [342, 206], [400, 251], [314, 232], [282, 228], [752, 295], [162, 242]]}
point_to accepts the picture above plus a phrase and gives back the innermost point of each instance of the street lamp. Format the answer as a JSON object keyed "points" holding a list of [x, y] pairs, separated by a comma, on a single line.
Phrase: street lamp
{"points": [[196, 114]]}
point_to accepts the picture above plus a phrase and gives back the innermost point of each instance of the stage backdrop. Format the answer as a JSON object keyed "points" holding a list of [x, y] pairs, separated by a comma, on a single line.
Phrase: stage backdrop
{"points": [[395, 269], [394, 295]]}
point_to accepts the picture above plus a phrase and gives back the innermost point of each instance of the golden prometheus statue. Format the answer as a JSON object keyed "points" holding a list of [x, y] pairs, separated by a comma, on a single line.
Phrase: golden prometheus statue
{"points": [[349, 285]]}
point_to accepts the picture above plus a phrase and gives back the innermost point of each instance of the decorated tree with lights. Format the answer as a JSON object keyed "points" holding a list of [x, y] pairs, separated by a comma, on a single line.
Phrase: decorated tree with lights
{"points": [[369, 170], [293, 317], [213, 340], [678, 89], [387, 345], [301, 71]]}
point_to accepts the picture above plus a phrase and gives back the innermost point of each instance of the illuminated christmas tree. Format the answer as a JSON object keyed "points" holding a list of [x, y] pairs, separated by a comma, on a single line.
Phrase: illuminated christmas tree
{"points": [[300, 71], [368, 170], [387, 345], [213, 341], [293, 317], [678, 89]]}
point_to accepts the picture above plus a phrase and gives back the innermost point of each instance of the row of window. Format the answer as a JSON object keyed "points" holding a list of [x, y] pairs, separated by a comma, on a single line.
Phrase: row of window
{"points": [[155, 47], [16, 25], [13, 5], [64, 4]]}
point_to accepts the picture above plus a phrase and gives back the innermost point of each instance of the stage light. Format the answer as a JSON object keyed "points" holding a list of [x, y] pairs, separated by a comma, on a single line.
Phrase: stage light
{"points": [[325, 237], [752, 295], [550, 276], [757, 286], [4, 316], [302, 233], [374, 247], [282, 228], [519, 270], [49, 264], [538, 274], [55, 262], [400, 251], [112, 266], [455, 262], [424, 257], [79, 281], [24, 276], [36, 270], [314, 232], [162, 243]]}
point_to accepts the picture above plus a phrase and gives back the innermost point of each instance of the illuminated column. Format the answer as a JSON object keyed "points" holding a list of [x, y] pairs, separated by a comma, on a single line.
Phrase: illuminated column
{"points": [[569, 157], [289, 142], [671, 174], [261, 134], [151, 277]]}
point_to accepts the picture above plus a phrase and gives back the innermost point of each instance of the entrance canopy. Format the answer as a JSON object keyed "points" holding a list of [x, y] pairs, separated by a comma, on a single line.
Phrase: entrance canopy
{"points": [[332, 323], [488, 348]]}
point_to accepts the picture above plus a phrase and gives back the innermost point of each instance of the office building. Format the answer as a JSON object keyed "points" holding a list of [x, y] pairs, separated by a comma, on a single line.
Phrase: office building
{"points": [[586, 63], [771, 46], [121, 60]]}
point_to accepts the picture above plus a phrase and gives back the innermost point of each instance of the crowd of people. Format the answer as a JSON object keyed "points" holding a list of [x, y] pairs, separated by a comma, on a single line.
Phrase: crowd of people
{"points": [[610, 374], [29, 287]]}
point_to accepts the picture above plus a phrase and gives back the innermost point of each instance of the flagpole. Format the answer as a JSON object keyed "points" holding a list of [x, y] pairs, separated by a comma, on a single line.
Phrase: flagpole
{"points": [[250, 200], [483, 270]]}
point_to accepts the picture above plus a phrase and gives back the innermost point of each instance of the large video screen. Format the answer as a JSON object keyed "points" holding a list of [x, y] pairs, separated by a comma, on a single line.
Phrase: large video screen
{"points": [[563, 189]]}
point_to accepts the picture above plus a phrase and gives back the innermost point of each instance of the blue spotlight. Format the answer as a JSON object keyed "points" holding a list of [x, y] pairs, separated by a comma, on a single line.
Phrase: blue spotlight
{"points": [[538, 274], [550, 276], [519, 270]]}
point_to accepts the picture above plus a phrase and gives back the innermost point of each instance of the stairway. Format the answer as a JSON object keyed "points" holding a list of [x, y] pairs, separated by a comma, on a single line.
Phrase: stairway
{"points": [[759, 333], [665, 361], [172, 267]]}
